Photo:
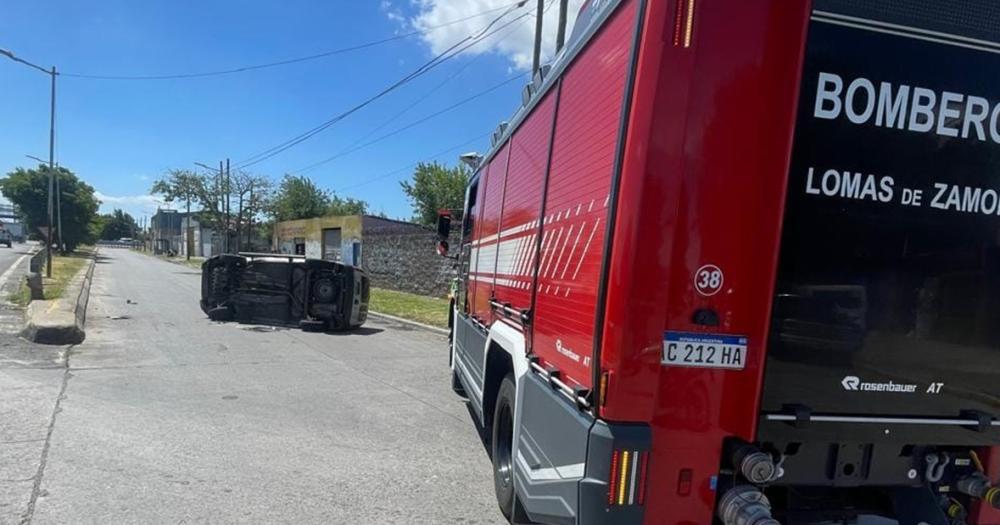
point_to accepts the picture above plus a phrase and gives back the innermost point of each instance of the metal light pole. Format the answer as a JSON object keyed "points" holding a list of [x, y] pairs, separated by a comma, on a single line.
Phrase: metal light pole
{"points": [[52, 168], [52, 140]]}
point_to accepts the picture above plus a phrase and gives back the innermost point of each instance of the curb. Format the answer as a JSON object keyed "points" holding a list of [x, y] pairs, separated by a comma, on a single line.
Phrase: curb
{"points": [[422, 326], [58, 321]]}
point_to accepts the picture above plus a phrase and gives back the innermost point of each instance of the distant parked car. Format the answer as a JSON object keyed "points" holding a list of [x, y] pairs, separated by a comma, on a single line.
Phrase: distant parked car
{"points": [[286, 290], [6, 238]]}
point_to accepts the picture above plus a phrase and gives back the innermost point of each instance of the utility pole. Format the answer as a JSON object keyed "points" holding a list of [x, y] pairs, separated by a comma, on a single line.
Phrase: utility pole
{"points": [[536, 62], [250, 219], [62, 245], [52, 170], [227, 192], [561, 32], [52, 139], [187, 242]]}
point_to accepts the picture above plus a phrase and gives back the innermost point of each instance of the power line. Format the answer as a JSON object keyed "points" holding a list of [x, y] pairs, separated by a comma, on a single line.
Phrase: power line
{"points": [[415, 164], [444, 56], [361, 142], [286, 62], [434, 62], [412, 124]]}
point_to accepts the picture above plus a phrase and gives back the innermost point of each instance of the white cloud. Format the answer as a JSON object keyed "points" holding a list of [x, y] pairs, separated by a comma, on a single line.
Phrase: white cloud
{"points": [[515, 42], [136, 205], [394, 14], [135, 200]]}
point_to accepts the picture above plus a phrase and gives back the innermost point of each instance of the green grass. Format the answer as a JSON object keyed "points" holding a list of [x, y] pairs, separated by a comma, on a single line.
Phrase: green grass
{"points": [[22, 296], [427, 310], [64, 267]]}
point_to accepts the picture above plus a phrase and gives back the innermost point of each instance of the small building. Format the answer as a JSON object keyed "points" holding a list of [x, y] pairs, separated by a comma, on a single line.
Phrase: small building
{"points": [[329, 238], [169, 233], [397, 255]]}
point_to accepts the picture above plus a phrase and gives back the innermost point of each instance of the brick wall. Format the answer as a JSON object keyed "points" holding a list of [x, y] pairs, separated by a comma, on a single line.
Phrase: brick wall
{"points": [[402, 256]]}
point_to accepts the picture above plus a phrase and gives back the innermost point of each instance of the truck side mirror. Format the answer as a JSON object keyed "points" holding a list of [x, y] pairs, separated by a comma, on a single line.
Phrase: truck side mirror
{"points": [[444, 226], [442, 248]]}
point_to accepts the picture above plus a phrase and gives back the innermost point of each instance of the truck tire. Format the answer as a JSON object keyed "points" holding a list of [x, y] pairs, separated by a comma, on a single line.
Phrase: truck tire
{"points": [[503, 446]]}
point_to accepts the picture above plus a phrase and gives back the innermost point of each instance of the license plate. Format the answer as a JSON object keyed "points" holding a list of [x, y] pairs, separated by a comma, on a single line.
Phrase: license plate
{"points": [[704, 350]]}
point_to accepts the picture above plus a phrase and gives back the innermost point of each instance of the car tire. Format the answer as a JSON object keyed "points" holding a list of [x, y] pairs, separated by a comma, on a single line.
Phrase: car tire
{"points": [[312, 325], [221, 314], [502, 443]]}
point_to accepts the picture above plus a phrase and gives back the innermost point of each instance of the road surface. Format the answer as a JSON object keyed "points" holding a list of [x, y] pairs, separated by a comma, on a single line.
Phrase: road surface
{"points": [[13, 268], [162, 416]]}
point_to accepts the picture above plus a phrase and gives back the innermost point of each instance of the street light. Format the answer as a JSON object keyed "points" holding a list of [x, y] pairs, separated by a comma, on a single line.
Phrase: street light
{"points": [[52, 141], [62, 246]]}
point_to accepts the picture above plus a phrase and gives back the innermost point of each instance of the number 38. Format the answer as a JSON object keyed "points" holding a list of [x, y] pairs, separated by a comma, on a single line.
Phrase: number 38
{"points": [[708, 279]]}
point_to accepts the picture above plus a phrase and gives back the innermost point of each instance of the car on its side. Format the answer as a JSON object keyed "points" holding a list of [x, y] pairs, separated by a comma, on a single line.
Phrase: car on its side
{"points": [[284, 290]]}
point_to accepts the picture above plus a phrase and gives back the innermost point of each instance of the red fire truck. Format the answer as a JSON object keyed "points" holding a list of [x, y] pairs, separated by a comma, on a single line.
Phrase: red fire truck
{"points": [[738, 262]]}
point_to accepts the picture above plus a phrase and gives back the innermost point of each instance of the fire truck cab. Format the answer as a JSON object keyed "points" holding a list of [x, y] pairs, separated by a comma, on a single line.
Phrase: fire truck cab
{"points": [[738, 262]]}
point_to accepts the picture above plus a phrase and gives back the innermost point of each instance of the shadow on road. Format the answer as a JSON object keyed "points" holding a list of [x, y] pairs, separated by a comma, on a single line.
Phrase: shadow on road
{"points": [[364, 330]]}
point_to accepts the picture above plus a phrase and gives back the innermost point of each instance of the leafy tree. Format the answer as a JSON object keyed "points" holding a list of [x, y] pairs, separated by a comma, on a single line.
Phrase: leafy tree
{"points": [[435, 187], [299, 198], [180, 185], [28, 189], [116, 225], [346, 206]]}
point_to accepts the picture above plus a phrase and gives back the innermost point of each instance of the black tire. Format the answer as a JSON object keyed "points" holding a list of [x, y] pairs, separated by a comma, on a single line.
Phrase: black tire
{"points": [[312, 325], [456, 384], [502, 443], [221, 313], [220, 283]]}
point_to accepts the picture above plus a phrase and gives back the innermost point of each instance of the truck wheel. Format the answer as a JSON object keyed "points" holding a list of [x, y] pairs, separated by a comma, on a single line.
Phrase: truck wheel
{"points": [[503, 446]]}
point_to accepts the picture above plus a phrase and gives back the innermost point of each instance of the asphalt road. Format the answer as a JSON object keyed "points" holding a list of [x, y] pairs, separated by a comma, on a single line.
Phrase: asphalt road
{"points": [[8, 256], [13, 268], [162, 416]]}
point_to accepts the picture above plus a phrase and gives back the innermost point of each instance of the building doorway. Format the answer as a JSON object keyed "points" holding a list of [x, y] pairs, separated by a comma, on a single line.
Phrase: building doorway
{"points": [[331, 244]]}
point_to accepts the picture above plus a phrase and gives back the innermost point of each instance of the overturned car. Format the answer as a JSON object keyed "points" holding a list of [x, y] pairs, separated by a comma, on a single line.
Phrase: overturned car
{"points": [[284, 290]]}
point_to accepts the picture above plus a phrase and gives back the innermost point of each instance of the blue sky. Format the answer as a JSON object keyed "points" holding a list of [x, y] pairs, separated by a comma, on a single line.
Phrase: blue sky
{"points": [[120, 135]]}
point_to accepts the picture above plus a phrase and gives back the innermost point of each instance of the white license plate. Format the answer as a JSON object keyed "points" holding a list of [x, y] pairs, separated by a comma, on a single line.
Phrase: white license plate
{"points": [[704, 350]]}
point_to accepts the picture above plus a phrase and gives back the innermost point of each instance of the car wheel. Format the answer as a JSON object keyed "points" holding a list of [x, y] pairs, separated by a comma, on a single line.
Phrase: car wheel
{"points": [[312, 325], [221, 313], [503, 446]]}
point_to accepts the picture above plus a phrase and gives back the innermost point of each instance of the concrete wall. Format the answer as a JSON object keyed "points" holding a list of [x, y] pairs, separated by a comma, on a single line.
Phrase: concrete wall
{"points": [[397, 255], [402, 256]]}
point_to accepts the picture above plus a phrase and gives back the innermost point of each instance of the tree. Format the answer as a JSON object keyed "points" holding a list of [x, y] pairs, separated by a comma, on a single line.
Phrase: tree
{"points": [[435, 187], [298, 198], [181, 185], [252, 193], [28, 190], [346, 206], [116, 225]]}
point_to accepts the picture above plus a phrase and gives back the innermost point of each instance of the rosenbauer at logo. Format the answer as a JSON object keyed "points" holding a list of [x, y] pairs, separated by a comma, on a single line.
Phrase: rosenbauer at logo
{"points": [[855, 384]]}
